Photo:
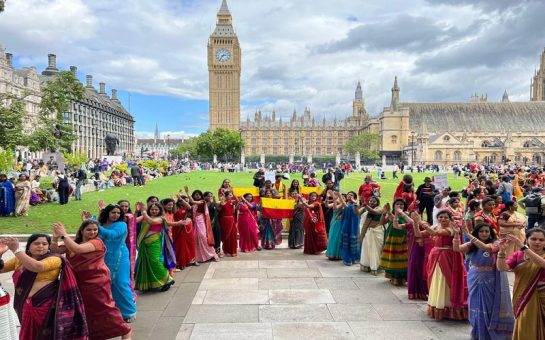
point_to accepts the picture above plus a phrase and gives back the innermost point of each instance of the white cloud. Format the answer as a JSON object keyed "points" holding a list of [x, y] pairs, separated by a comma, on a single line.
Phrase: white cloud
{"points": [[159, 47]]}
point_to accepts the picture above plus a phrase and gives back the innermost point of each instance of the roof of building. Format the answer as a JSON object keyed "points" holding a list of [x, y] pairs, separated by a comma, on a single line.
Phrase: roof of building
{"points": [[481, 116]]}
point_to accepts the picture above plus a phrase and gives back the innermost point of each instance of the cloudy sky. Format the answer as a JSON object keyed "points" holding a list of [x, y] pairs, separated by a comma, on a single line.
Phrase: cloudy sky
{"points": [[296, 53]]}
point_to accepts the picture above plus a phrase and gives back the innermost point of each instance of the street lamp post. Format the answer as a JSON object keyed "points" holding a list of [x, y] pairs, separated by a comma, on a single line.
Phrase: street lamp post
{"points": [[412, 148], [240, 153], [168, 147]]}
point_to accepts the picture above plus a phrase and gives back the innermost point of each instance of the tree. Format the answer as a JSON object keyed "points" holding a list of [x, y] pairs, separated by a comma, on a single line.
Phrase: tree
{"points": [[367, 144], [225, 144], [187, 147], [75, 158], [57, 95], [7, 160], [12, 132]]}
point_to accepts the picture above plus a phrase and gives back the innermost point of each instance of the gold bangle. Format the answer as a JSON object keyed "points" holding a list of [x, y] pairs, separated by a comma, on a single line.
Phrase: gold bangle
{"points": [[501, 256]]}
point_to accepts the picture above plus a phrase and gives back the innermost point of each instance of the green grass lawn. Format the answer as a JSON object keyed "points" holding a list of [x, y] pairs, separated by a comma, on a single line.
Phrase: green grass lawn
{"points": [[42, 216]]}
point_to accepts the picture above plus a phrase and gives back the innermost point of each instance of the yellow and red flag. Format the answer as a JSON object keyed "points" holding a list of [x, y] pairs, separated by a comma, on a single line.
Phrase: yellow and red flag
{"points": [[239, 192], [307, 190], [277, 208]]}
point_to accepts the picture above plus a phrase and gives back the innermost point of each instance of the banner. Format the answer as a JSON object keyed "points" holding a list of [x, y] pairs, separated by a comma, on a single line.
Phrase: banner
{"points": [[440, 181], [239, 192], [277, 208], [307, 190]]}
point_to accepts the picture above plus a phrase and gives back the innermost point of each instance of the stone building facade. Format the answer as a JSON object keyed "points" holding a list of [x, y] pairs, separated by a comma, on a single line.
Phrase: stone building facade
{"points": [[537, 87], [97, 115], [22, 83]]}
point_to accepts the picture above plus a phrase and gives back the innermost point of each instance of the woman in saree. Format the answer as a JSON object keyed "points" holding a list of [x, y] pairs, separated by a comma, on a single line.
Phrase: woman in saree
{"points": [[204, 237], [43, 283], [7, 196], [294, 186], [417, 274], [156, 254], [333, 250], [350, 230], [225, 186], [265, 227], [528, 263], [130, 241], [86, 256], [327, 197], [447, 285], [213, 210], [297, 232], [113, 232], [486, 215], [512, 223], [184, 235], [489, 303], [371, 234], [247, 224], [314, 224], [394, 257], [456, 210], [228, 224], [23, 189]]}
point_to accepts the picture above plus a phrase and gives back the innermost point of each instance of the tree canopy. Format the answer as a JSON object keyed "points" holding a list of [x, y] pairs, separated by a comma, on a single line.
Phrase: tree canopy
{"points": [[12, 113], [225, 144], [367, 144]]}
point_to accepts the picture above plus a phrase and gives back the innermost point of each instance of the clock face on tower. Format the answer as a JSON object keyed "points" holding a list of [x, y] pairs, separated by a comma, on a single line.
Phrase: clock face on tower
{"points": [[223, 55]]}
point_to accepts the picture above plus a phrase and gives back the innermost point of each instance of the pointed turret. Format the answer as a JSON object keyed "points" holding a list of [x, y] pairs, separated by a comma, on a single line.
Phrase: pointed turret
{"points": [[273, 116], [224, 9], [294, 115], [156, 135], [323, 121], [359, 92], [505, 98], [395, 96]]}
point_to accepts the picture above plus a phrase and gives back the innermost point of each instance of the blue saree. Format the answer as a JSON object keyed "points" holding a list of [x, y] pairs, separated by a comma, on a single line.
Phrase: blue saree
{"points": [[7, 199], [350, 231]]}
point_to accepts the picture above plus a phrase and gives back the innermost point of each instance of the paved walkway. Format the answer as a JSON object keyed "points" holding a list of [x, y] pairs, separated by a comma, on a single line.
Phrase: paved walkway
{"points": [[283, 294]]}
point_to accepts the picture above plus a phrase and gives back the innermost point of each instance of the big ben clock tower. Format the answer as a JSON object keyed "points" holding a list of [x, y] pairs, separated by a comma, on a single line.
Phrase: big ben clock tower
{"points": [[224, 58]]}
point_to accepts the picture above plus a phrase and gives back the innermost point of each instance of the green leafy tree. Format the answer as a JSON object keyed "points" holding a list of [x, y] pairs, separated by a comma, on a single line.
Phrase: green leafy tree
{"points": [[75, 158], [225, 144], [367, 144], [189, 146], [12, 132], [57, 95], [7, 160]]}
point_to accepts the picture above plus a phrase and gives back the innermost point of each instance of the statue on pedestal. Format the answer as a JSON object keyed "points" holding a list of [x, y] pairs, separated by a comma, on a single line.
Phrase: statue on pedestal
{"points": [[112, 142]]}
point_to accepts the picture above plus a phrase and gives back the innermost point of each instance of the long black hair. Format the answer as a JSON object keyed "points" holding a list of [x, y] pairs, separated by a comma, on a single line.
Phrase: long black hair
{"points": [[84, 224], [33, 238], [159, 206], [475, 233], [105, 214]]}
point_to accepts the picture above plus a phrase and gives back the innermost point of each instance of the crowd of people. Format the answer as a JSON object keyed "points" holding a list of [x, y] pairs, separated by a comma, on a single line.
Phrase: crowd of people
{"points": [[446, 251]]}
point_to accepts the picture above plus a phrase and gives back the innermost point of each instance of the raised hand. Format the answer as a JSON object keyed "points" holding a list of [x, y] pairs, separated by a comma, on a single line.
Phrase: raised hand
{"points": [[85, 215], [58, 229], [3, 248], [515, 240], [139, 206], [101, 205], [10, 242], [415, 216], [186, 189], [504, 243]]}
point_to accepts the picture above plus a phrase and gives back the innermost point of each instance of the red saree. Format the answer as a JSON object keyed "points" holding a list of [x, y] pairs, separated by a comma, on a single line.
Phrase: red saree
{"points": [[315, 233], [54, 312], [184, 240], [93, 277], [228, 229]]}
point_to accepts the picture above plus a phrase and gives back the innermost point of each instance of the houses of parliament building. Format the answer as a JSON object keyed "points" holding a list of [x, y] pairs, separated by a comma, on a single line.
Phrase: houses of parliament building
{"points": [[444, 133]]}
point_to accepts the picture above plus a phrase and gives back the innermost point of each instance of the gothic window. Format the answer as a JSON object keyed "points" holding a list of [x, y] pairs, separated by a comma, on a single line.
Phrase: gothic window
{"points": [[457, 156], [394, 139], [438, 155], [526, 144], [485, 144]]}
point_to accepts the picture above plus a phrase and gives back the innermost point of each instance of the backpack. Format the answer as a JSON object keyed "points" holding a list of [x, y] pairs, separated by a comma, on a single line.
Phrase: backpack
{"points": [[532, 204]]}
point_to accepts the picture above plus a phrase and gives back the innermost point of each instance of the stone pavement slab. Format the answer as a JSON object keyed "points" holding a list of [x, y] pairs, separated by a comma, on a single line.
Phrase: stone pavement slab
{"points": [[300, 296], [391, 330], [312, 330], [288, 283], [230, 331], [236, 297], [294, 313], [359, 312], [222, 313]]}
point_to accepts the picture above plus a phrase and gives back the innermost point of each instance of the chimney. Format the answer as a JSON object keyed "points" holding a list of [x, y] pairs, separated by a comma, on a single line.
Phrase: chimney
{"points": [[9, 59], [114, 94], [51, 65], [74, 71], [102, 88], [89, 81]]}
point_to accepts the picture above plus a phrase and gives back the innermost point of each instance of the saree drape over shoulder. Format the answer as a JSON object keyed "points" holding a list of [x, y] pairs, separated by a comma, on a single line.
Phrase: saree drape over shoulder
{"points": [[118, 261], [204, 236], [350, 232], [103, 317], [184, 240], [372, 236], [333, 251], [22, 198], [528, 300], [247, 228], [315, 233], [55, 311], [156, 257], [297, 232]]}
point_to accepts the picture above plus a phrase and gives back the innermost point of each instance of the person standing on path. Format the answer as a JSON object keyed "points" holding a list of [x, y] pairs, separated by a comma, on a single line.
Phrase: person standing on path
{"points": [[425, 195], [80, 176]]}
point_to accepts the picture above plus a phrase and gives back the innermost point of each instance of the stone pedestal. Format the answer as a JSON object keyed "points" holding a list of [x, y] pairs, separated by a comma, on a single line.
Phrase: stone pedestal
{"points": [[262, 159], [338, 159], [242, 159], [357, 160], [291, 158], [309, 159], [113, 159], [383, 161], [215, 159]]}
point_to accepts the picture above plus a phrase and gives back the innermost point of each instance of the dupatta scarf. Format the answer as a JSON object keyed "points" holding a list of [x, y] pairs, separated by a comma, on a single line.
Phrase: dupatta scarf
{"points": [[527, 276], [168, 255], [208, 223], [65, 318]]}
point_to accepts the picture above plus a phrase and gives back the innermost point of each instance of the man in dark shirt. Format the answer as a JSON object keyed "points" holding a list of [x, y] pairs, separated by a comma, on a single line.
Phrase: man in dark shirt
{"points": [[259, 178], [135, 174], [425, 194], [80, 176]]}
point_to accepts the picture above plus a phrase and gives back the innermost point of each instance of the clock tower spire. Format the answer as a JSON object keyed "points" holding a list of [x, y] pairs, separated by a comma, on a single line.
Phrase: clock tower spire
{"points": [[224, 66]]}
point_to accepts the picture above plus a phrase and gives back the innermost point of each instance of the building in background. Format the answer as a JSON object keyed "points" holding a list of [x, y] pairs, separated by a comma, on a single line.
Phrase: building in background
{"points": [[537, 87], [158, 147]]}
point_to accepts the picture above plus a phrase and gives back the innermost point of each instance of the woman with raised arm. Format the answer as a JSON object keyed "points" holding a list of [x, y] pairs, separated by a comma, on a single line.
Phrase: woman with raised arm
{"points": [[489, 303], [372, 221], [156, 254], [225, 186], [394, 253], [228, 224], [266, 232], [446, 272], [417, 274], [47, 300], [86, 255], [350, 230], [528, 263], [184, 235], [204, 237], [247, 224], [132, 236], [512, 223], [213, 210], [113, 231], [315, 233], [333, 251], [297, 232]]}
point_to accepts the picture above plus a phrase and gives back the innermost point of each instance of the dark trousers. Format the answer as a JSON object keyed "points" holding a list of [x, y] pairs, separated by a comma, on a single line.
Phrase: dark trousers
{"points": [[428, 206], [63, 194], [216, 230], [136, 180]]}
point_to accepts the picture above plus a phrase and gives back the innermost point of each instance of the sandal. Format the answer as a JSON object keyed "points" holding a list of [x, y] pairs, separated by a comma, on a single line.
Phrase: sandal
{"points": [[131, 319]]}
